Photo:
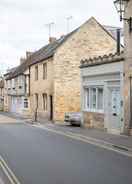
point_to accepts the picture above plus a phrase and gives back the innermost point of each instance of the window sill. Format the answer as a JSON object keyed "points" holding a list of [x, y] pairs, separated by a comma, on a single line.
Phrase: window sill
{"points": [[94, 111]]}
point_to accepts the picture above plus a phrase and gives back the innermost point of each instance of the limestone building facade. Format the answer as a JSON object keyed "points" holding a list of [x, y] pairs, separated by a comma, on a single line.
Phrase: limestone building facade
{"points": [[55, 80]]}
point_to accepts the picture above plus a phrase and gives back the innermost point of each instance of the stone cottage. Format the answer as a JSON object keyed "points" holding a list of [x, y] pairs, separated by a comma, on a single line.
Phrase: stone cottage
{"points": [[54, 69]]}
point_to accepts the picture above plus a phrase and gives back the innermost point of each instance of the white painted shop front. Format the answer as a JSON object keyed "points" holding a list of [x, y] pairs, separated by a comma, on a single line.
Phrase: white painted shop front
{"points": [[102, 93]]}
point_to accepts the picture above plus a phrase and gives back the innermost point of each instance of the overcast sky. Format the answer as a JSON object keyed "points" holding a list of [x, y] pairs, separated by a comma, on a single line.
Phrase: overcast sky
{"points": [[23, 22]]}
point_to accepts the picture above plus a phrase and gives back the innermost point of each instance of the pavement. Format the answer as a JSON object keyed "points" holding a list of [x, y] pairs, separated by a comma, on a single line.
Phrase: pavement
{"points": [[6, 119], [120, 140], [39, 156]]}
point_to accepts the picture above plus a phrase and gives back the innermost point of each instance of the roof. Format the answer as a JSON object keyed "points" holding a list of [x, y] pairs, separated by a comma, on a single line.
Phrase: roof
{"points": [[47, 52], [106, 59], [17, 71], [1, 83], [38, 56]]}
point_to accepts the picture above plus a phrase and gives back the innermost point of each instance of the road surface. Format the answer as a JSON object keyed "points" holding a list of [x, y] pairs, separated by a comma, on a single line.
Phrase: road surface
{"points": [[38, 156]]}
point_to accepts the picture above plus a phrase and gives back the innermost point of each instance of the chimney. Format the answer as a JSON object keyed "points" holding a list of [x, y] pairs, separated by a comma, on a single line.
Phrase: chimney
{"points": [[22, 60], [28, 54], [52, 39], [118, 41], [62, 36]]}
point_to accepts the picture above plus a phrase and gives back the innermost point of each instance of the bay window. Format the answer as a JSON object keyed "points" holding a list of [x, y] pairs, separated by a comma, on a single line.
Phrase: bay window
{"points": [[94, 99]]}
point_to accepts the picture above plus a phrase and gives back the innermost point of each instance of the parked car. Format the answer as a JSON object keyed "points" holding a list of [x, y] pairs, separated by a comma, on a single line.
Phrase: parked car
{"points": [[74, 118]]}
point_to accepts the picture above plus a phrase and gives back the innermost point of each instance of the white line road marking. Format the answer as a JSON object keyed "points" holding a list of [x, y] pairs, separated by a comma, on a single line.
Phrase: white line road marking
{"points": [[8, 172], [96, 143]]}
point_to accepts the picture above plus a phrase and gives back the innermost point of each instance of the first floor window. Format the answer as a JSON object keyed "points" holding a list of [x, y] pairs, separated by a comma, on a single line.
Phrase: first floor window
{"points": [[36, 72], [45, 71], [94, 98], [45, 101], [25, 103]]}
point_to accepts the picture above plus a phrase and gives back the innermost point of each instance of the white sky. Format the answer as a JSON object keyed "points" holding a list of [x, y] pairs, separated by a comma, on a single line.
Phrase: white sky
{"points": [[23, 23]]}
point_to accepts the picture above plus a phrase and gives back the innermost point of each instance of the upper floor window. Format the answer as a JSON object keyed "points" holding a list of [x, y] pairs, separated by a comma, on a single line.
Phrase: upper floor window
{"points": [[45, 101], [94, 99], [13, 83], [45, 71], [36, 72], [20, 80]]}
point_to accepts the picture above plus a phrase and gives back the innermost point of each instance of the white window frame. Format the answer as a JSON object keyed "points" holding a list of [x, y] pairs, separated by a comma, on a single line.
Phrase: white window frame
{"points": [[90, 109]]}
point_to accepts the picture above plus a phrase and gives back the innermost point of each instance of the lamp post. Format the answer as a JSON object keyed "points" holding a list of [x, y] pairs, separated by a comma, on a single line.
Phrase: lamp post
{"points": [[120, 7]]}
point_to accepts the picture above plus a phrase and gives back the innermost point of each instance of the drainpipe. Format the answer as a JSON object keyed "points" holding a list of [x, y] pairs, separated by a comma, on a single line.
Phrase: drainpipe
{"points": [[118, 42], [130, 122]]}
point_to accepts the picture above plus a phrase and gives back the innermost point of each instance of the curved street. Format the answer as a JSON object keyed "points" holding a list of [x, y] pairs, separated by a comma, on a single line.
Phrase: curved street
{"points": [[38, 156]]}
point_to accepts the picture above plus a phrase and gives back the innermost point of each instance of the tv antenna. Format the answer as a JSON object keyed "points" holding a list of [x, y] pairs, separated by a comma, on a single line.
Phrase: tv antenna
{"points": [[68, 19], [50, 26]]}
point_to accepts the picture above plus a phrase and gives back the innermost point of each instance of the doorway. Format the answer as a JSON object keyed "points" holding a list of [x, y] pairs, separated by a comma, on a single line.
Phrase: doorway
{"points": [[51, 107], [114, 111]]}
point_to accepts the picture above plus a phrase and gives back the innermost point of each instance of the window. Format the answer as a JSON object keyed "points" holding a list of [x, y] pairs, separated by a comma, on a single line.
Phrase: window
{"points": [[94, 99], [45, 101], [100, 98], [25, 103], [13, 83], [87, 95], [36, 100], [36, 72], [45, 71]]}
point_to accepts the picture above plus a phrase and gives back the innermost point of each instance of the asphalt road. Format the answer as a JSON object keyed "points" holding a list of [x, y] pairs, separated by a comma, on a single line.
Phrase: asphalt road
{"points": [[37, 156]]}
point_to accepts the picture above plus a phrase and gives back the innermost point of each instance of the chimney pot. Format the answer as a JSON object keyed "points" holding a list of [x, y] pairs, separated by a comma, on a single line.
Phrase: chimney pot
{"points": [[52, 39], [22, 60], [28, 54]]}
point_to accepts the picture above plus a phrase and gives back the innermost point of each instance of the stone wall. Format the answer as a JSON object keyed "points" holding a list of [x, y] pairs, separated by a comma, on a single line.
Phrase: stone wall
{"points": [[90, 40], [93, 120], [41, 86], [127, 68]]}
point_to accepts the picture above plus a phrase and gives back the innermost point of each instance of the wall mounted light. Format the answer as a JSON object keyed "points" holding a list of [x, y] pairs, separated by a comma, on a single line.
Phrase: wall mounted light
{"points": [[120, 7]]}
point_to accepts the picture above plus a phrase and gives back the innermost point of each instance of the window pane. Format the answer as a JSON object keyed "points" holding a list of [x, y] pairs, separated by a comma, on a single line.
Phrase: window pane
{"points": [[100, 98], [45, 71], [93, 98], [36, 72], [87, 98]]}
